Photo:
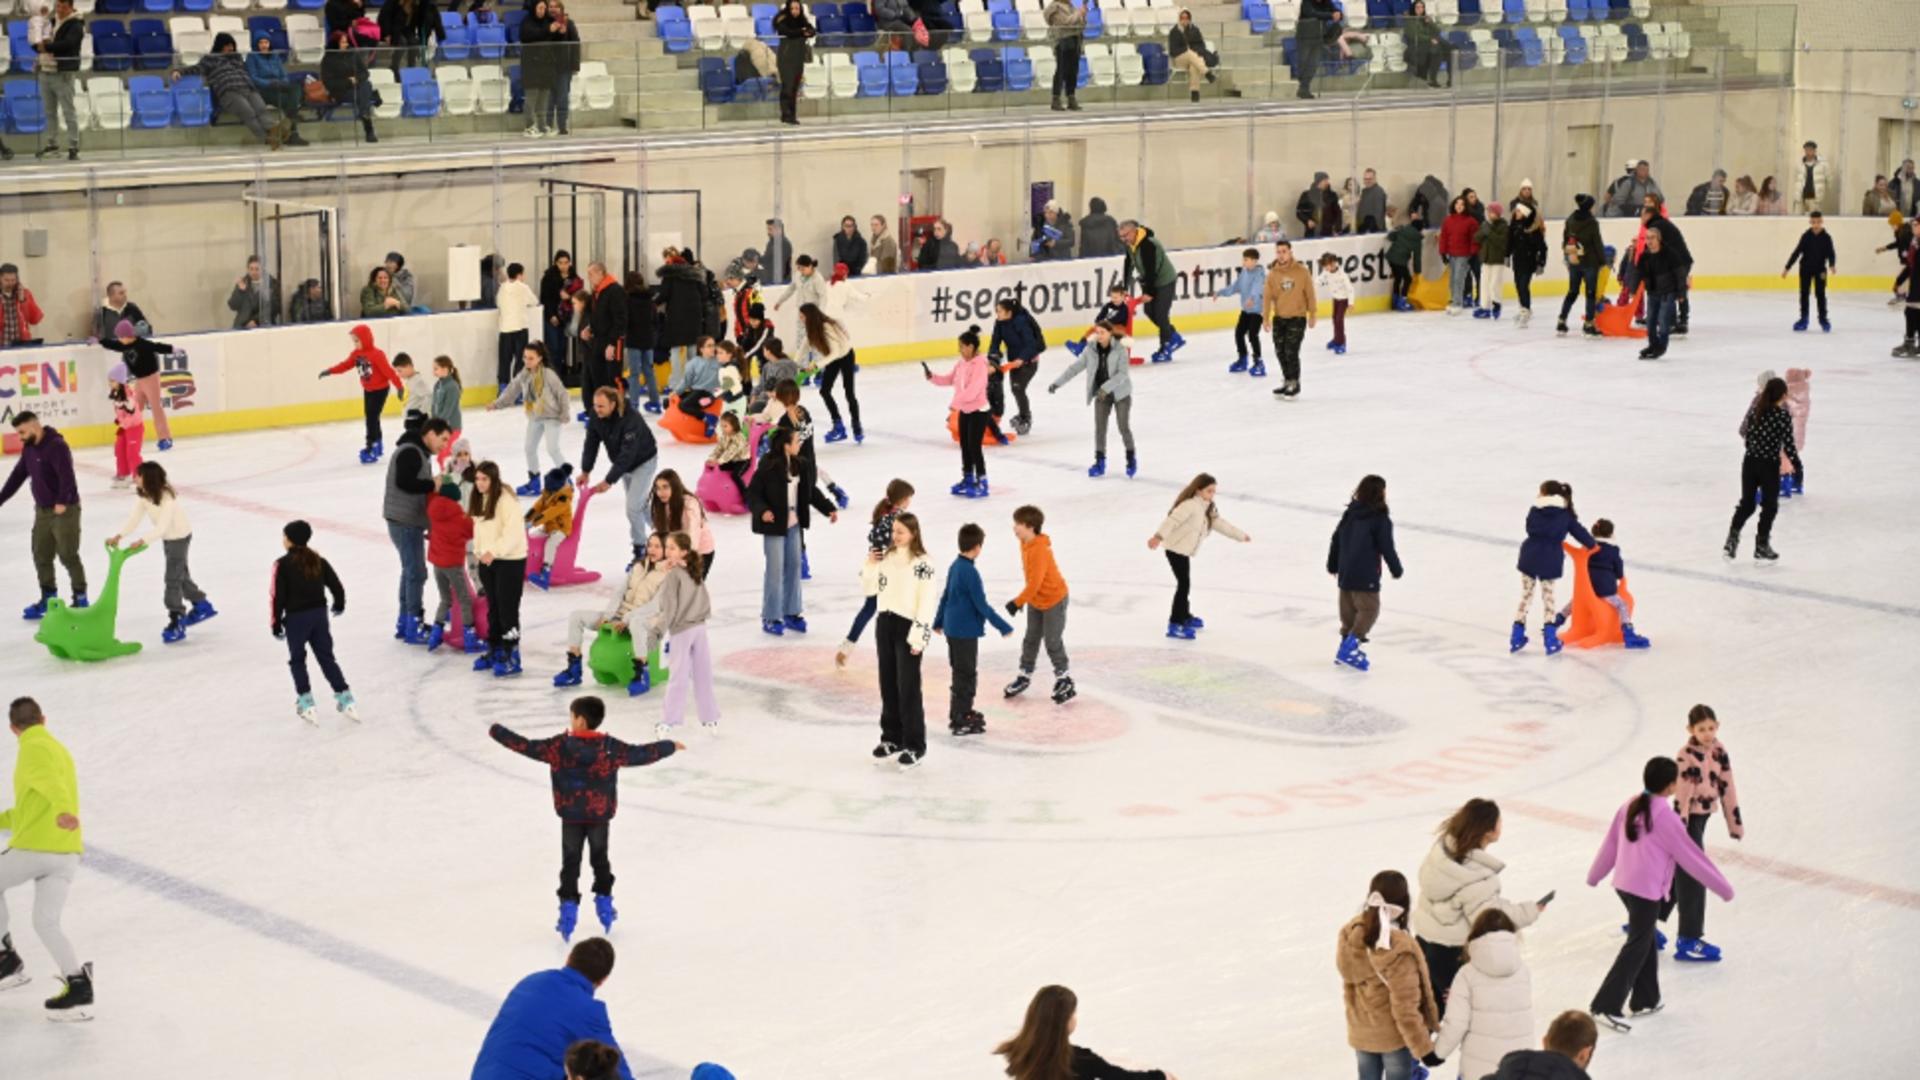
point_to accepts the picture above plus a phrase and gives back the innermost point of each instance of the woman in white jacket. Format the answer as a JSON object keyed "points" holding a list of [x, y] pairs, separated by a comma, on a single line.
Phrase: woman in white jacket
{"points": [[500, 543], [907, 589], [1193, 517], [1492, 1000], [1459, 880]]}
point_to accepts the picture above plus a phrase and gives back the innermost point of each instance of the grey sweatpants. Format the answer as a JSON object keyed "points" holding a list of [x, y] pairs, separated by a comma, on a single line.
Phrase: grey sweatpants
{"points": [[248, 107], [1050, 625], [52, 876], [180, 589], [452, 583], [1104, 404], [56, 103]]}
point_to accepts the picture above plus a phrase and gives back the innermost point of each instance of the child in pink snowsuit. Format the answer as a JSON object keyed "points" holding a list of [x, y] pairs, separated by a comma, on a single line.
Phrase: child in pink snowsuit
{"points": [[132, 427], [1799, 404]]}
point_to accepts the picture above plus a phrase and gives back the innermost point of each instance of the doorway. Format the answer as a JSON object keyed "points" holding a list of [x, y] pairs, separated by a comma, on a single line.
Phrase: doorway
{"points": [[1587, 155]]}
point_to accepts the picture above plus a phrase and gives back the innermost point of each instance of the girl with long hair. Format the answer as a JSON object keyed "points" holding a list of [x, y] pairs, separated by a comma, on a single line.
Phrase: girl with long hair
{"points": [[1768, 431], [1192, 518], [677, 510], [155, 501], [302, 581], [1543, 560], [500, 543], [1361, 543], [879, 542], [1706, 782], [1391, 1012], [1044, 1049], [1645, 843], [826, 345], [906, 587], [780, 500], [968, 376], [1459, 881], [644, 579], [682, 614]]}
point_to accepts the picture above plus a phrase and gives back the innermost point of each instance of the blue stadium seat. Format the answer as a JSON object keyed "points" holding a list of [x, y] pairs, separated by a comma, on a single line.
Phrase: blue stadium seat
{"points": [[1096, 24], [152, 101], [717, 86], [419, 94], [990, 75], [517, 103], [1470, 12], [490, 41], [1638, 46], [157, 7], [1620, 9], [1258, 15], [1006, 26], [670, 22], [862, 31], [1514, 10], [114, 7], [23, 108], [1578, 9], [152, 44], [1019, 71], [830, 26], [1153, 56], [872, 74], [1576, 45], [933, 77], [192, 105], [457, 44], [269, 27], [1533, 52], [308, 5], [21, 55], [112, 46]]}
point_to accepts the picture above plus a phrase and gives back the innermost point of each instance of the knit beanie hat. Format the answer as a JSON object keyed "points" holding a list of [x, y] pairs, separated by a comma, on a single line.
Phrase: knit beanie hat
{"points": [[756, 311], [557, 478], [1496, 209], [1526, 183], [117, 373], [1272, 217], [123, 328], [461, 446], [450, 489], [299, 532]]}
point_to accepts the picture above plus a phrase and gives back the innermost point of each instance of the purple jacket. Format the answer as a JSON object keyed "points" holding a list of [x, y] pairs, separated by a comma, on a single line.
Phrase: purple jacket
{"points": [[49, 465], [1644, 867]]}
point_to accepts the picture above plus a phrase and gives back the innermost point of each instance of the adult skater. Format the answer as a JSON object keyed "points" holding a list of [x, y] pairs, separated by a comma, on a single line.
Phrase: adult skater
{"points": [[1768, 431], [47, 463], [1645, 842], [1147, 261], [1585, 252], [1042, 1050], [545, 1014], [1289, 310], [1653, 214], [605, 334], [143, 355], [632, 457], [44, 848], [409, 482], [906, 587], [1458, 881]]}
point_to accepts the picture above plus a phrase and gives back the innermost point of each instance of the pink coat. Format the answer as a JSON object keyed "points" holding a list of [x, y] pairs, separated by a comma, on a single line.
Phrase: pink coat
{"points": [[969, 381], [1644, 867], [694, 517], [1799, 405]]}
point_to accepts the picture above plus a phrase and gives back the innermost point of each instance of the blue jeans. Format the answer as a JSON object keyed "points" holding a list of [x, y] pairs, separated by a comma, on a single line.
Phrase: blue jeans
{"points": [[640, 372], [1461, 269], [639, 484], [780, 588], [1660, 307], [1395, 1066], [411, 542], [864, 617]]}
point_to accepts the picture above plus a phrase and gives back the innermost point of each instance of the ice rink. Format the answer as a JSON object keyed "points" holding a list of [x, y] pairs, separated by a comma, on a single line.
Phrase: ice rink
{"points": [[1179, 845]]}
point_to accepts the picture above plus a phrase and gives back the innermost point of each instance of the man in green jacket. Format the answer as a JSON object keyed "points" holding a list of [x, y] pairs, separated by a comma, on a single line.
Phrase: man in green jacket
{"points": [[1147, 261], [44, 848]]}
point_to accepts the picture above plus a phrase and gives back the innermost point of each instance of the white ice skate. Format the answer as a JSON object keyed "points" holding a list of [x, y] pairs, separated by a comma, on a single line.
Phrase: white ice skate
{"points": [[711, 727], [304, 706], [347, 706], [663, 731]]}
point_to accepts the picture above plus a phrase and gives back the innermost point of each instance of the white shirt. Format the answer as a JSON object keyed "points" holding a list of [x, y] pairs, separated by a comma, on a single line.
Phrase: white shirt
{"points": [[169, 521], [515, 301]]}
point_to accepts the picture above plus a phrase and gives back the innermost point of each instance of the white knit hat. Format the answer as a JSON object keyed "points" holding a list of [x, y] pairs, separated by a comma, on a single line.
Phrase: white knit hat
{"points": [[1272, 216], [1526, 183]]}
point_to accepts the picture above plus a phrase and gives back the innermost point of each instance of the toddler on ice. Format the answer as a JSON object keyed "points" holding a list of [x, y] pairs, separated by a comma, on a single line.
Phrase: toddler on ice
{"points": [[1607, 570], [552, 518]]}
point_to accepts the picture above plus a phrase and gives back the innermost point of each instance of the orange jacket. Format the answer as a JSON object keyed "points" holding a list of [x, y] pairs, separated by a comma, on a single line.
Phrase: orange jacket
{"points": [[1045, 587]]}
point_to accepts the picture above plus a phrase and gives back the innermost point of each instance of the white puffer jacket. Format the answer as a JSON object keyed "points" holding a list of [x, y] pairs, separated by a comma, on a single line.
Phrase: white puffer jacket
{"points": [[1490, 1008], [1452, 893]]}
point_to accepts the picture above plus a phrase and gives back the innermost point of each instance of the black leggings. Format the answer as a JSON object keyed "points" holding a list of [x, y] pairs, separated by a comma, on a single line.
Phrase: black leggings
{"points": [[505, 580], [1913, 323], [695, 402], [306, 630], [1759, 477], [1246, 335], [835, 371], [1581, 277], [973, 429], [1402, 280], [512, 347], [1182, 581], [1021, 376], [372, 401], [1066, 68], [1523, 282], [737, 472]]}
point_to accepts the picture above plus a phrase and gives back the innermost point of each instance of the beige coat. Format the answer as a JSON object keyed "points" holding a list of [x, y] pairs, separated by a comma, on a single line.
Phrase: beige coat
{"points": [[504, 535], [1390, 1002], [1184, 528], [1453, 893], [642, 584]]}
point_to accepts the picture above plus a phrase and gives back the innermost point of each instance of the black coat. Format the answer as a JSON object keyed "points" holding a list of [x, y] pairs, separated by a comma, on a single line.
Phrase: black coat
{"points": [[1538, 1065], [851, 251], [1660, 271], [937, 254], [682, 296], [1606, 569], [1361, 542], [607, 317], [628, 440], [341, 15], [397, 27], [1674, 243], [553, 295], [536, 59], [1099, 232], [768, 492], [640, 318], [1019, 335]]}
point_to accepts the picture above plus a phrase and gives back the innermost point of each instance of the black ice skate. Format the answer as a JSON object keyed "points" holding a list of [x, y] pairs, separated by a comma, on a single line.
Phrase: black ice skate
{"points": [[13, 970], [1018, 686], [75, 1001], [1063, 690]]}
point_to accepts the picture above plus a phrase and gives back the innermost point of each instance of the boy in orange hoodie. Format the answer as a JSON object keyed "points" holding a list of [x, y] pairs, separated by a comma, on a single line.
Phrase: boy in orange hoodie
{"points": [[1045, 599], [377, 379]]}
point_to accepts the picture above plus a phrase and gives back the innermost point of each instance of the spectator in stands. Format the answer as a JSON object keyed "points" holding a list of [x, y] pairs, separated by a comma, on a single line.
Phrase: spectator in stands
{"points": [[884, 248], [342, 14], [1318, 210], [1429, 203], [1046, 245], [1099, 233], [894, 17], [1270, 230], [1566, 1054], [796, 51], [776, 261], [1906, 190], [1371, 215], [1711, 197], [1349, 204], [343, 71], [992, 254], [255, 299], [225, 72], [377, 298], [745, 266], [1812, 178], [1067, 23], [404, 285], [605, 334], [1745, 200], [1319, 21], [934, 19], [1187, 49], [407, 27], [19, 314], [849, 247], [115, 307], [267, 70], [547, 1013], [1879, 201], [1772, 204], [939, 252], [536, 69], [492, 273], [1630, 191], [57, 85], [1426, 46], [309, 303], [563, 42]]}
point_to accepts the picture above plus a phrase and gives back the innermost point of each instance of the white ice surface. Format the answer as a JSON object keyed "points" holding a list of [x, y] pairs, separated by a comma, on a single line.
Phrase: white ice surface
{"points": [[1179, 845]]}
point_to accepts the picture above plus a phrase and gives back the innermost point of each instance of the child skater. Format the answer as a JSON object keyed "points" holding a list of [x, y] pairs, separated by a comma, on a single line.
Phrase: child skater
{"points": [[130, 428], [1250, 285], [1045, 598], [879, 542], [552, 518], [1706, 779], [142, 357], [154, 500], [449, 530], [1118, 310], [903, 582], [731, 452], [585, 764], [445, 401], [1542, 560], [643, 582], [1016, 330], [1192, 517], [968, 376], [1799, 406], [539, 389], [377, 379], [1333, 283], [1815, 255], [302, 580], [1361, 543], [1494, 237], [418, 392], [682, 613], [500, 542], [780, 499], [699, 382], [677, 510], [1489, 1010], [1110, 391], [1404, 245], [1606, 570], [1644, 846], [962, 618]]}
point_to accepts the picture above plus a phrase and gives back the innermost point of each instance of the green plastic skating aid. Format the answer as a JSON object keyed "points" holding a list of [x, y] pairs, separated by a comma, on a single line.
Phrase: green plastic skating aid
{"points": [[87, 633], [610, 658]]}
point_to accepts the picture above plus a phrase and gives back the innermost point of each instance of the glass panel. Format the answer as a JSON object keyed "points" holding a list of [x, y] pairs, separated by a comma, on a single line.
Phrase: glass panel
{"points": [[186, 242], [54, 267]]}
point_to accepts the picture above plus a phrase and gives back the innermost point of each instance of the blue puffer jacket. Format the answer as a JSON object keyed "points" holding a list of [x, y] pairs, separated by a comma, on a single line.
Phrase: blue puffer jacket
{"points": [[547, 1012], [1606, 568], [1548, 524]]}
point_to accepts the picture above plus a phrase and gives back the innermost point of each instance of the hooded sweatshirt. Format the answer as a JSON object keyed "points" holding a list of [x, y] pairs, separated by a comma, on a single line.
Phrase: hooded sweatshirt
{"points": [[1099, 233], [46, 465], [1490, 1008], [371, 364]]}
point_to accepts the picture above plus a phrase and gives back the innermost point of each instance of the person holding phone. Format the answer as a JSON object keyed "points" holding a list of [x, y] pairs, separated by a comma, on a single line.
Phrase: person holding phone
{"points": [[1459, 880]]}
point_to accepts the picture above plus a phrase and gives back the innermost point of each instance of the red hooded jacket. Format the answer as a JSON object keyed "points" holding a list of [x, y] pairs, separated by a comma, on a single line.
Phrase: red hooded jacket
{"points": [[1458, 236], [448, 530], [374, 370]]}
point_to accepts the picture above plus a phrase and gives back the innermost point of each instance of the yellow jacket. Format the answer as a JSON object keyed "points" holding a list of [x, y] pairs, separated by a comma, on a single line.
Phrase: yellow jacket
{"points": [[44, 787]]}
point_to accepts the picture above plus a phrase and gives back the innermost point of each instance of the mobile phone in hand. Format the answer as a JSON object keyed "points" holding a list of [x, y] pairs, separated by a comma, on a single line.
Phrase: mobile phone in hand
{"points": [[1545, 900]]}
